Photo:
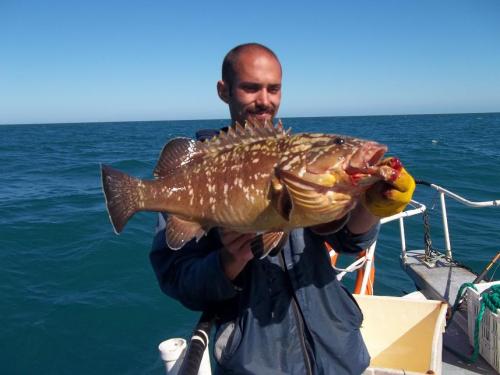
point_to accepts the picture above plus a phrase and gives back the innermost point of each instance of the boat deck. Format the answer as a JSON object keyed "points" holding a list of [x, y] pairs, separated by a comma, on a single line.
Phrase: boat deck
{"points": [[440, 280]]}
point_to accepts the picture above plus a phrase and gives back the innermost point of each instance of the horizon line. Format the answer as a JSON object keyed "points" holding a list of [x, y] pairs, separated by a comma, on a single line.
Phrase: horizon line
{"points": [[227, 119]]}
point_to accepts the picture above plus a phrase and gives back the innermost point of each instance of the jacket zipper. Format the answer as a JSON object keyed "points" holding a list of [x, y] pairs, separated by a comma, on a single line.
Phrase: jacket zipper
{"points": [[298, 318]]}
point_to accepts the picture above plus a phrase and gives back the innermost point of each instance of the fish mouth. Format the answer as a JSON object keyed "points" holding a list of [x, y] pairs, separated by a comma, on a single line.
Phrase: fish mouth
{"points": [[365, 161]]}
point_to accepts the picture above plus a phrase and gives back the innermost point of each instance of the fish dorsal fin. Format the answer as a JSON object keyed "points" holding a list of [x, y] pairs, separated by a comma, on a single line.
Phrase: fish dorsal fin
{"points": [[176, 153], [179, 231], [249, 133]]}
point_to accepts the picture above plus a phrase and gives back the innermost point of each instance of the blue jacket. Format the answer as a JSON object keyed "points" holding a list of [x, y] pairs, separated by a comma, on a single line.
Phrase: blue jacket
{"points": [[284, 314]]}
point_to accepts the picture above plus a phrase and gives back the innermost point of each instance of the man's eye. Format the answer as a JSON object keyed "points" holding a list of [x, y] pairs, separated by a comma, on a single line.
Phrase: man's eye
{"points": [[274, 89], [250, 89]]}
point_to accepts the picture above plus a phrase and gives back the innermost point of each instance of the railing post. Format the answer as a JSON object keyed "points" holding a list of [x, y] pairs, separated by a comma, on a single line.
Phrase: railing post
{"points": [[368, 267], [445, 226], [403, 239]]}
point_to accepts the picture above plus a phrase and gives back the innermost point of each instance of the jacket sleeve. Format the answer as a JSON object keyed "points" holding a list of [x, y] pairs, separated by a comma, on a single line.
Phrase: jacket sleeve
{"points": [[344, 241], [192, 275]]}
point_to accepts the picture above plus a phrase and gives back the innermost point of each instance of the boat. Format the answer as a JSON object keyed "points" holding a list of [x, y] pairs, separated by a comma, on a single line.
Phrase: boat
{"points": [[428, 331]]}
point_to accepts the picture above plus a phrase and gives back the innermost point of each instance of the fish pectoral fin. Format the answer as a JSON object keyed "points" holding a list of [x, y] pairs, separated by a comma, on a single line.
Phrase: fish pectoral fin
{"points": [[269, 243], [179, 231], [281, 200]]}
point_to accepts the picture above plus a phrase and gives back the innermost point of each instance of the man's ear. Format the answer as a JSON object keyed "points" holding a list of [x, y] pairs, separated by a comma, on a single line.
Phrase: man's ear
{"points": [[223, 91]]}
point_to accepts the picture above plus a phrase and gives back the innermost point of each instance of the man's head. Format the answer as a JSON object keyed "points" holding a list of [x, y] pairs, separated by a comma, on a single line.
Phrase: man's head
{"points": [[251, 83]]}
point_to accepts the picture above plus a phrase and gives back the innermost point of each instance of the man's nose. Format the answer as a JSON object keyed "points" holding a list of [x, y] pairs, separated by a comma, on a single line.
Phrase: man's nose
{"points": [[263, 98]]}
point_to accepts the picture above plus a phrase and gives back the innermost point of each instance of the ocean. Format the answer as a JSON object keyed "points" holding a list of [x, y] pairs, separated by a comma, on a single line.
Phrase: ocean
{"points": [[78, 299]]}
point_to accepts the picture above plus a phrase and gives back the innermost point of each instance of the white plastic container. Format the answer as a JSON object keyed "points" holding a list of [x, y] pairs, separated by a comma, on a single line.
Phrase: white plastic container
{"points": [[489, 339], [172, 352], [403, 336]]}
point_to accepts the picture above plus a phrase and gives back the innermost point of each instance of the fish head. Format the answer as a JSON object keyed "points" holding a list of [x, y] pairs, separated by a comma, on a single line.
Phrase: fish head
{"points": [[328, 160], [324, 175]]}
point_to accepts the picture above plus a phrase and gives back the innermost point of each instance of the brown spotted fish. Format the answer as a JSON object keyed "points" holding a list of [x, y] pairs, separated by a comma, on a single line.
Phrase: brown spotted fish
{"points": [[252, 178]]}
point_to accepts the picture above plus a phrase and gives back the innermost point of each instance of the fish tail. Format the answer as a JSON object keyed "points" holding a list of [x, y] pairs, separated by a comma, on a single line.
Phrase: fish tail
{"points": [[121, 193]]}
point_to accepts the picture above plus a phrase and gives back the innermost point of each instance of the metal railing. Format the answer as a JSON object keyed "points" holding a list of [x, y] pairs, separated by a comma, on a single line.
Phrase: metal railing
{"points": [[444, 192], [417, 208]]}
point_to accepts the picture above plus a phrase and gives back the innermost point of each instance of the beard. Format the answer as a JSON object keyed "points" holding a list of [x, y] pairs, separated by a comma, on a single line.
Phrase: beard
{"points": [[260, 114]]}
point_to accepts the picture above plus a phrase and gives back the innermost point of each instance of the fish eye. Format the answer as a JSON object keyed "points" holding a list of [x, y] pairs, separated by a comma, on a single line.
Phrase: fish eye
{"points": [[339, 141]]}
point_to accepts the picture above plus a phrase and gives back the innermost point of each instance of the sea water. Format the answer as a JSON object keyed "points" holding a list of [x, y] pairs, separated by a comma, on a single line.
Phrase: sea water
{"points": [[75, 298]]}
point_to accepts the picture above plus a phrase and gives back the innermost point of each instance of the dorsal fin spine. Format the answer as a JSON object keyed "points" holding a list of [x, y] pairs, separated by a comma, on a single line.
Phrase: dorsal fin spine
{"points": [[238, 134]]}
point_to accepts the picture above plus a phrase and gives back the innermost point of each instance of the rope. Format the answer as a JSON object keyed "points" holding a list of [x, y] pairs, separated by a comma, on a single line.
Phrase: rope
{"points": [[490, 299]]}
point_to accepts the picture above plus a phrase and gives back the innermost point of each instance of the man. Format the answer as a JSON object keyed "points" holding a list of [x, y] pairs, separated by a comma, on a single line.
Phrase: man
{"points": [[286, 313]]}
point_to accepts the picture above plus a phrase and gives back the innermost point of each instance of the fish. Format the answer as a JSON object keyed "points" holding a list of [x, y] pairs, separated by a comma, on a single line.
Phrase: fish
{"points": [[251, 178]]}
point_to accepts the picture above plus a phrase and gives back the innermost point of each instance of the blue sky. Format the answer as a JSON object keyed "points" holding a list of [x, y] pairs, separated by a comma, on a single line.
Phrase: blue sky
{"points": [[72, 61]]}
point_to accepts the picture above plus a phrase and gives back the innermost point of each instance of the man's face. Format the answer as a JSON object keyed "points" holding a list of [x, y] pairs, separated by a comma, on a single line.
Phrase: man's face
{"points": [[255, 92]]}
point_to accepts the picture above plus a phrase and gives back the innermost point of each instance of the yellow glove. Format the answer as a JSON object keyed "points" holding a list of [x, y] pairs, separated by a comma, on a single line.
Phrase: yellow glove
{"points": [[386, 198]]}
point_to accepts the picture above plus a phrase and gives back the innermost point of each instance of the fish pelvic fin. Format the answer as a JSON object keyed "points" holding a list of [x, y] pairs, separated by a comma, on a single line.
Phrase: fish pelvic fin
{"points": [[121, 194], [179, 231]]}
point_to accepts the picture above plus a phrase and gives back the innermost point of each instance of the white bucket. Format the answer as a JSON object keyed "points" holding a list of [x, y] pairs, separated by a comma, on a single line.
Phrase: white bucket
{"points": [[172, 352]]}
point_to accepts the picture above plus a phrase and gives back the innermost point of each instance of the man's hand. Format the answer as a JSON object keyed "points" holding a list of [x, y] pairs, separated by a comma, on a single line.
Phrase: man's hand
{"points": [[387, 198], [236, 252]]}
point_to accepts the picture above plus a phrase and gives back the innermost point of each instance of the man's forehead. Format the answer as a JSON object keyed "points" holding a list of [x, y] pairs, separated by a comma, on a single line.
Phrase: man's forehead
{"points": [[255, 57], [256, 66]]}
